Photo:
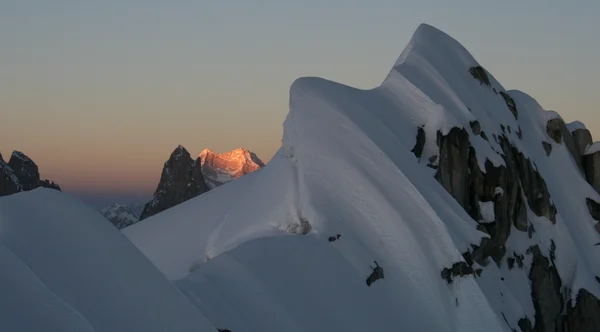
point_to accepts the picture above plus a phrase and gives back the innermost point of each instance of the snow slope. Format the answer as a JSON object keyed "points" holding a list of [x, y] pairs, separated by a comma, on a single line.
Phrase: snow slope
{"points": [[346, 167], [65, 268]]}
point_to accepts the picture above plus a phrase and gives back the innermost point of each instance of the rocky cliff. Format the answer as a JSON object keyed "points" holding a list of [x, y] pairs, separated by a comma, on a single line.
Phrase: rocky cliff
{"points": [[512, 191], [21, 174]]}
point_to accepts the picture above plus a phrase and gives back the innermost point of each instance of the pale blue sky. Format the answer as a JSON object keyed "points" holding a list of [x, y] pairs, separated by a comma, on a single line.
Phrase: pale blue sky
{"points": [[100, 92]]}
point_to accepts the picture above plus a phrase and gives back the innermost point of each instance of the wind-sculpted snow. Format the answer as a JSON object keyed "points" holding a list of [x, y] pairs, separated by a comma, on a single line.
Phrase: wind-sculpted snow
{"points": [[65, 268], [346, 166]]}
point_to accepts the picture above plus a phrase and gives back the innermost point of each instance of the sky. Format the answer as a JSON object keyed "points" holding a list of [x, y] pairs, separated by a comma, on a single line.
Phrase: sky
{"points": [[98, 93]]}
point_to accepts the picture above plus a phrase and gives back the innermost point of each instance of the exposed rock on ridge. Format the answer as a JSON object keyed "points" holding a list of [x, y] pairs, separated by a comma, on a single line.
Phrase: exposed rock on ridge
{"points": [[514, 188]]}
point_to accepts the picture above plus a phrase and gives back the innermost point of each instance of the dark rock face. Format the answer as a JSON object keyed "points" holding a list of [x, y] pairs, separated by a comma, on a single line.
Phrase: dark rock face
{"points": [[21, 174], [480, 74], [583, 317], [9, 184], [25, 169], [553, 129], [512, 106], [591, 167], [547, 148], [420, 144], [582, 138], [558, 131], [546, 293], [181, 179], [459, 269], [506, 186], [511, 187], [594, 209]]}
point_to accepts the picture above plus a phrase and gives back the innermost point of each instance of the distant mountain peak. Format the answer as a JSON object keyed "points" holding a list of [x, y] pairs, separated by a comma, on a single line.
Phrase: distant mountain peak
{"points": [[220, 168], [120, 215], [184, 178], [21, 173]]}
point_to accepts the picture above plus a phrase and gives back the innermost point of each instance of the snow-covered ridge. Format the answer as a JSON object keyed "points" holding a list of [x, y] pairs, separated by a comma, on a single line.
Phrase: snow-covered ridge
{"points": [[374, 166], [594, 148], [220, 168], [576, 125]]}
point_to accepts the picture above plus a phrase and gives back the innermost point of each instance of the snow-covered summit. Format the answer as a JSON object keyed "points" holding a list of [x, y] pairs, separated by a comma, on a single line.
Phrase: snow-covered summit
{"points": [[402, 176], [575, 125], [220, 168]]}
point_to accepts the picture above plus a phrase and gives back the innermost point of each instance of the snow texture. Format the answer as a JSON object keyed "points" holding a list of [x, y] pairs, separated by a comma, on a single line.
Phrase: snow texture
{"points": [[572, 126], [65, 268], [487, 211]]}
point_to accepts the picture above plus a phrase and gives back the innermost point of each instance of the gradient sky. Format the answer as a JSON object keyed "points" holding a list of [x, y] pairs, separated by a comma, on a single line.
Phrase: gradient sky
{"points": [[99, 93]]}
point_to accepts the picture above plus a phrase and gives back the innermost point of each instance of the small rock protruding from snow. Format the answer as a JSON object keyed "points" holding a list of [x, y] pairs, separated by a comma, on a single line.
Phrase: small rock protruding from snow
{"points": [[512, 106], [547, 147], [480, 74], [375, 275], [334, 238]]}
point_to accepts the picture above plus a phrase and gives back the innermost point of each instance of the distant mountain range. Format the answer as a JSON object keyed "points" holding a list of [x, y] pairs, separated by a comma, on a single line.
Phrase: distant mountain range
{"points": [[123, 215], [184, 178]]}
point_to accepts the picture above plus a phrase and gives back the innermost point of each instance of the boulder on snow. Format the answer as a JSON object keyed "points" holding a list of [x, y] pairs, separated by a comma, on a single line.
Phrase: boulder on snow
{"points": [[480, 74]]}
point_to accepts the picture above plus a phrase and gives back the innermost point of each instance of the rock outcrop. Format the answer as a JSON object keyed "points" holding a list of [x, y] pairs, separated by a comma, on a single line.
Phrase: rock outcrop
{"points": [[183, 178], [582, 139], [591, 166], [21, 174], [505, 186], [512, 189], [558, 131]]}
